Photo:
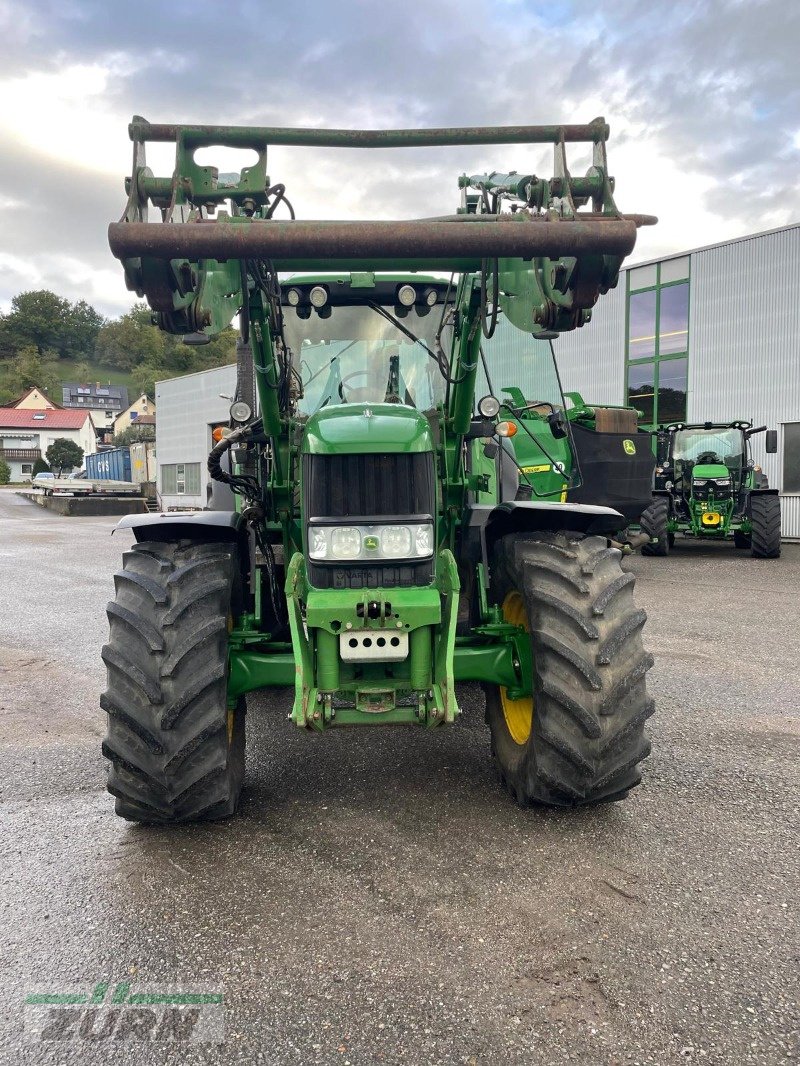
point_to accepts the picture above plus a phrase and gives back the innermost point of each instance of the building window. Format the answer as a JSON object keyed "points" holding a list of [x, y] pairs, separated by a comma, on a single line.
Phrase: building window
{"points": [[791, 457], [27, 468], [180, 479], [658, 340]]}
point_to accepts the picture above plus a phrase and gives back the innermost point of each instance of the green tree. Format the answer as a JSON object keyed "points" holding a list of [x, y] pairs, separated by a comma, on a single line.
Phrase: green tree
{"points": [[177, 358], [25, 370], [47, 322], [36, 319], [129, 341], [81, 329], [5, 472], [64, 452], [40, 467], [134, 434]]}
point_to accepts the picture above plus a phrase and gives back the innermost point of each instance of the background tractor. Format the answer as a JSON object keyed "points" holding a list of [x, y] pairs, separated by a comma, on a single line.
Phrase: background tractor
{"points": [[371, 550], [707, 486]]}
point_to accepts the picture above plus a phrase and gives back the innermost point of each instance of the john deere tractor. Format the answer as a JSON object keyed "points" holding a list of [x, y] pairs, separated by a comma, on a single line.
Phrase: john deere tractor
{"points": [[707, 486], [368, 547]]}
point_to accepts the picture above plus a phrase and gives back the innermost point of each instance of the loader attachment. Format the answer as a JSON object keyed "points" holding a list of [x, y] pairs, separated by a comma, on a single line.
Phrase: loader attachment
{"points": [[551, 260]]}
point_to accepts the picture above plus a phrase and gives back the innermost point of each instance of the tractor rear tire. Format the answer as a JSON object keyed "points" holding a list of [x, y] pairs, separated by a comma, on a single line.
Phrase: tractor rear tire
{"points": [[654, 523], [176, 748], [765, 535], [580, 739]]}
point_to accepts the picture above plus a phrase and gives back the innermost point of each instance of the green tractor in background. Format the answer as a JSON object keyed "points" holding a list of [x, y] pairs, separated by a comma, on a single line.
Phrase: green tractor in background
{"points": [[708, 486], [372, 551]]}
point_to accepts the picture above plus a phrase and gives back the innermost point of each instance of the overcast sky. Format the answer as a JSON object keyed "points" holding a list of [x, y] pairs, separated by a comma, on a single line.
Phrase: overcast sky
{"points": [[703, 99]]}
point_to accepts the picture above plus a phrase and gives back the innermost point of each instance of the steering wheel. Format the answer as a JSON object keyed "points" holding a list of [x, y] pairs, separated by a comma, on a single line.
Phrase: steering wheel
{"points": [[352, 398], [708, 457]]}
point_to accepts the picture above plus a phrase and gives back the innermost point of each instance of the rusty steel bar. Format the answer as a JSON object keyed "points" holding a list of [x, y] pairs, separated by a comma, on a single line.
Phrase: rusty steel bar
{"points": [[257, 136], [380, 240]]}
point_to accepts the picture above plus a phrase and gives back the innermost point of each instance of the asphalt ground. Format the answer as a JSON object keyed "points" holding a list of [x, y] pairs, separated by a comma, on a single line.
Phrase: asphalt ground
{"points": [[380, 899]]}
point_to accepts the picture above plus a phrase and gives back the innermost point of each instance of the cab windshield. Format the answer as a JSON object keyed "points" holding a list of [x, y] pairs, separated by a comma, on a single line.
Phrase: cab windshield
{"points": [[356, 353], [709, 445]]}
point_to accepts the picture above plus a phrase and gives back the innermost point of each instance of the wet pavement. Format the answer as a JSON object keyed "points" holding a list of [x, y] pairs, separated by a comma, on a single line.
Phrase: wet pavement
{"points": [[380, 899]]}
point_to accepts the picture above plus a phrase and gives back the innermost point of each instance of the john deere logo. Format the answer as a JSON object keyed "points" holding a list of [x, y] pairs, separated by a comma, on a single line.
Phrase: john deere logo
{"points": [[629, 446], [371, 543]]}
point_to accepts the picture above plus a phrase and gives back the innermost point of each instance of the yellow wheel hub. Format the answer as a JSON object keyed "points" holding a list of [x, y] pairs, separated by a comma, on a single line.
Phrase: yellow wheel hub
{"points": [[517, 713]]}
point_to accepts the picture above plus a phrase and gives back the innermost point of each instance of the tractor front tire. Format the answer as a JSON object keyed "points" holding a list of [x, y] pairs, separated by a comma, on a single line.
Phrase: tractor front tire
{"points": [[580, 739], [765, 534], [176, 749], [654, 523]]}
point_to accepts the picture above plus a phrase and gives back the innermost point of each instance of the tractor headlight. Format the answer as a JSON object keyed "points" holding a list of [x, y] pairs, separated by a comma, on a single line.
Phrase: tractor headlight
{"points": [[411, 541], [725, 481], [345, 542], [700, 484]]}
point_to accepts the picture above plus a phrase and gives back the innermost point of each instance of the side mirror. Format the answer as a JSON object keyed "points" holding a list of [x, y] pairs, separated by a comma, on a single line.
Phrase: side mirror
{"points": [[771, 441], [557, 421]]}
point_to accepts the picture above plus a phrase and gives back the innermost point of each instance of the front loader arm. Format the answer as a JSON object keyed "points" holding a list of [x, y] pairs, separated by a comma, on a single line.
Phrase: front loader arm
{"points": [[553, 259]]}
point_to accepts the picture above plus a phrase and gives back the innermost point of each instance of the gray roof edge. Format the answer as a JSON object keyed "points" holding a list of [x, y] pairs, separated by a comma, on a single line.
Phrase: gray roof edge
{"points": [[708, 247]]}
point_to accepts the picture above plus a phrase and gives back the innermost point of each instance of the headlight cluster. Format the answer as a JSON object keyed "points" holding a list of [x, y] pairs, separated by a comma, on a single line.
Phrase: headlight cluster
{"points": [[370, 543], [721, 481]]}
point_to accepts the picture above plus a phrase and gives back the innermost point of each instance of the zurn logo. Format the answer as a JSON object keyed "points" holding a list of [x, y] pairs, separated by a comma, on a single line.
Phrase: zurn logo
{"points": [[119, 1014]]}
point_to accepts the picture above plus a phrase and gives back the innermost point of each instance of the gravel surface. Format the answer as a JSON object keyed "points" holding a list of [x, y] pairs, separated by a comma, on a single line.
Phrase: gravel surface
{"points": [[380, 899]]}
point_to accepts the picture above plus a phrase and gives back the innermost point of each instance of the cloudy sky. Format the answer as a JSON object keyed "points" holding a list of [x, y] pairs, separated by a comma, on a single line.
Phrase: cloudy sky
{"points": [[703, 99]]}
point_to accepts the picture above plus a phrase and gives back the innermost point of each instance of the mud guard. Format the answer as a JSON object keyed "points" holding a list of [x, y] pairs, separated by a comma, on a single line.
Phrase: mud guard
{"points": [[195, 525], [485, 524]]}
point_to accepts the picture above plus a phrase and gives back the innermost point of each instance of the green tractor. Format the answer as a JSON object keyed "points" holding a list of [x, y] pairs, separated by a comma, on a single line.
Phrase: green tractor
{"points": [[707, 486], [372, 549]]}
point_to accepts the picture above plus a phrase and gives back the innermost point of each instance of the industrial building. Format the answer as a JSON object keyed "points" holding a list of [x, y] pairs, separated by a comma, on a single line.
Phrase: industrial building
{"points": [[712, 334], [189, 408]]}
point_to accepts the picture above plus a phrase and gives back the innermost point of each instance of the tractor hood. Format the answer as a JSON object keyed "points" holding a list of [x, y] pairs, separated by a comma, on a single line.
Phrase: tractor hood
{"points": [[710, 470], [367, 427]]}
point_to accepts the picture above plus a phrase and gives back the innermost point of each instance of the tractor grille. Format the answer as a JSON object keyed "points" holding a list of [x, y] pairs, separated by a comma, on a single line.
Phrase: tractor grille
{"points": [[378, 486], [370, 488]]}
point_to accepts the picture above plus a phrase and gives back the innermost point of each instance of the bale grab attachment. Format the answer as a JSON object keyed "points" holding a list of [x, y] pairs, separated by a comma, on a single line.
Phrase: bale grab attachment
{"points": [[551, 260]]}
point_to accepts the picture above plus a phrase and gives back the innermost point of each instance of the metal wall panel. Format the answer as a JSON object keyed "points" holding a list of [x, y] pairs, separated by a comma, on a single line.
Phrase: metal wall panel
{"points": [[591, 360], [744, 342], [790, 517], [187, 408]]}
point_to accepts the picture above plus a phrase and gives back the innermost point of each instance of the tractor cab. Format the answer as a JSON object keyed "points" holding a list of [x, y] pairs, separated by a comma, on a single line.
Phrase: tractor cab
{"points": [[367, 339]]}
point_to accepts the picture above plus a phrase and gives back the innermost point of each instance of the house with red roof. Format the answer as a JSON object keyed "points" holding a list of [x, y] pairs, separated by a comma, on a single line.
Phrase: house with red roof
{"points": [[26, 434]]}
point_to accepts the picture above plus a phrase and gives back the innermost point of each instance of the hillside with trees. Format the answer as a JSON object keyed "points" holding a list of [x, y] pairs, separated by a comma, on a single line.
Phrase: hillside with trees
{"points": [[45, 339]]}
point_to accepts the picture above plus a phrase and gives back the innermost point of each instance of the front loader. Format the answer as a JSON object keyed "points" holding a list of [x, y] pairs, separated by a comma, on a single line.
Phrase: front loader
{"points": [[376, 550]]}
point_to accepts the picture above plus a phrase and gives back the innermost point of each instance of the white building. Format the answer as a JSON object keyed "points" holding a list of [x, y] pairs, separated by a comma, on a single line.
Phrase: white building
{"points": [[26, 434], [712, 334], [189, 408]]}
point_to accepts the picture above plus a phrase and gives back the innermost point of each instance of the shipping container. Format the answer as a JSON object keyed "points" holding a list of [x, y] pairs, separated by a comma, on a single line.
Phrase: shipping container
{"points": [[114, 464], [143, 462]]}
